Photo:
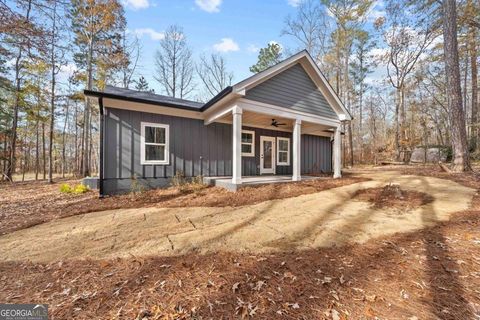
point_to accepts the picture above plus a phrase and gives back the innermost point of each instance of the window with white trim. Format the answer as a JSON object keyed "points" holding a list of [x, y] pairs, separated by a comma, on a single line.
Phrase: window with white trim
{"points": [[283, 151], [248, 143], [154, 140]]}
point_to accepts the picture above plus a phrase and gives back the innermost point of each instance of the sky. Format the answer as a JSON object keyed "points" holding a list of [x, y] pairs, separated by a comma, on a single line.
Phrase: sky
{"points": [[236, 29]]}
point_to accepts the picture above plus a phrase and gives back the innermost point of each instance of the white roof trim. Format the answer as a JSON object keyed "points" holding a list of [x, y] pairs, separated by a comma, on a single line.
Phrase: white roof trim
{"points": [[260, 77]]}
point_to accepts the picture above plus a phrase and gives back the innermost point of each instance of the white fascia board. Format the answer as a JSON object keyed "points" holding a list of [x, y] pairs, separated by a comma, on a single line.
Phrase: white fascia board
{"points": [[217, 114], [151, 108]]}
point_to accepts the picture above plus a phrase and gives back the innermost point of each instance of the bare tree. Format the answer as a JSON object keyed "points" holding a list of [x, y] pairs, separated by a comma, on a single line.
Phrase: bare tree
{"points": [[129, 59], [461, 160], [174, 63], [213, 73], [405, 46], [310, 28]]}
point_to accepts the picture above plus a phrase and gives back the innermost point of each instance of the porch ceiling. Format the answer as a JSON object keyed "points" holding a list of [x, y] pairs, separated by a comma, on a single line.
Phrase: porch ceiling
{"points": [[260, 120]]}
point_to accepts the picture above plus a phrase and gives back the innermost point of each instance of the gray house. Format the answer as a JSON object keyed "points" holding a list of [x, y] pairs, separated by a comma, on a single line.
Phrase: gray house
{"points": [[281, 123]]}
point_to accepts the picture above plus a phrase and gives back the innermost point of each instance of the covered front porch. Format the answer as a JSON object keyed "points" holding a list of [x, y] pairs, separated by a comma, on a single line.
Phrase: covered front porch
{"points": [[270, 137]]}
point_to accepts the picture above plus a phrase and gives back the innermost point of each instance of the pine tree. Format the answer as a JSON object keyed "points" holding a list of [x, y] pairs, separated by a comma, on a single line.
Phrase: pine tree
{"points": [[267, 57], [142, 85], [97, 25], [461, 160]]}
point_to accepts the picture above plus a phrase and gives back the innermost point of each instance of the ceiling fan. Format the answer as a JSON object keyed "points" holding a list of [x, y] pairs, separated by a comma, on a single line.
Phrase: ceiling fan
{"points": [[276, 124]]}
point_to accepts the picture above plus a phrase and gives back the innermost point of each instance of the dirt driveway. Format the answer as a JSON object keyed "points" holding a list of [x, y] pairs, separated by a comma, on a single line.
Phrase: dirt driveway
{"points": [[321, 219]]}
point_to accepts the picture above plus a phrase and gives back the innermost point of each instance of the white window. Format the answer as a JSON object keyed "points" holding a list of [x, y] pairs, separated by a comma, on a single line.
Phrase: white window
{"points": [[248, 143], [154, 140], [283, 151]]}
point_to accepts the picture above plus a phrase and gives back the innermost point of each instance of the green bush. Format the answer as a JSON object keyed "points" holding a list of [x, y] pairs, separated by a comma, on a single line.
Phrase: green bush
{"points": [[66, 188]]}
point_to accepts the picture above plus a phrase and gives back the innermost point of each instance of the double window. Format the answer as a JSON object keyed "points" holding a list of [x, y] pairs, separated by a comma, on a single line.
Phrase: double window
{"points": [[154, 141], [248, 143], [283, 151]]}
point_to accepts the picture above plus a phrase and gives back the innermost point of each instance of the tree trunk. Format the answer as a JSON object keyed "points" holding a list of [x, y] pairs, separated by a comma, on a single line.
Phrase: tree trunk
{"points": [[76, 167], [37, 146], [461, 161], [397, 124], [16, 106], [64, 158], [86, 128], [474, 79], [44, 151], [52, 98]]}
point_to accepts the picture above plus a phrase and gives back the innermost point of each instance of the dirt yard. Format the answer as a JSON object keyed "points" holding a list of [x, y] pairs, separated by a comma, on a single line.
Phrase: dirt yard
{"points": [[323, 219], [429, 273], [26, 204]]}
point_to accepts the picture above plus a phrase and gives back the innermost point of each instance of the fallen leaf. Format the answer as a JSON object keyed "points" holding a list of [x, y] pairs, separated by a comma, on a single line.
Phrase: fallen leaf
{"points": [[235, 286], [335, 315], [370, 298], [259, 285], [326, 280], [369, 312]]}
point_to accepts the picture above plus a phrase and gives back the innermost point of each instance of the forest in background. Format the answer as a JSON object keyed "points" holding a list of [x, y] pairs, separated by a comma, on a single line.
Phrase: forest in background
{"points": [[51, 50]]}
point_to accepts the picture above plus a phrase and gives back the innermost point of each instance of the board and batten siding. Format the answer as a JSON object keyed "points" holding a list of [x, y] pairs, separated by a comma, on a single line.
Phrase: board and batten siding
{"points": [[316, 153], [195, 149], [292, 89]]}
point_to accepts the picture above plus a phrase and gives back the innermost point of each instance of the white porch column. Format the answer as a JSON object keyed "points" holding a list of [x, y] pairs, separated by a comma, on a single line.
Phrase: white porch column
{"points": [[237, 145], [297, 131], [337, 153]]}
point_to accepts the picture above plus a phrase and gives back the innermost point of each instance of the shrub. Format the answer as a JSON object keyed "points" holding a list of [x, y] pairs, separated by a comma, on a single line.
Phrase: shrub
{"points": [[77, 189], [197, 183], [136, 187], [178, 180], [66, 188], [80, 188]]}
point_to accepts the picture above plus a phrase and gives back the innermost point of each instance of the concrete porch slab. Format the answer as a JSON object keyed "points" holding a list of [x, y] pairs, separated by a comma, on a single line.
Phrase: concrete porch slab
{"points": [[226, 182]]}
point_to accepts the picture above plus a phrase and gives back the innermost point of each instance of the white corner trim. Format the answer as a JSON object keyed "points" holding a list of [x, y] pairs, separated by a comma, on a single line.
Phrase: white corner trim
{"points": [[143, 161], [251, 154], [278, 151]]}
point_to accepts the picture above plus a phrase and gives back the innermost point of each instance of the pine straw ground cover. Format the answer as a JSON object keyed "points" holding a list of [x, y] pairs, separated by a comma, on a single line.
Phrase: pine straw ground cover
{"points": [[25, 204], [430, 274], [392, 196]]}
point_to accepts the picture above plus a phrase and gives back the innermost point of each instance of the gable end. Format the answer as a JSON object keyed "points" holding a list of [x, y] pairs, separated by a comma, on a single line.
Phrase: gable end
{"points": [[293, 89]]}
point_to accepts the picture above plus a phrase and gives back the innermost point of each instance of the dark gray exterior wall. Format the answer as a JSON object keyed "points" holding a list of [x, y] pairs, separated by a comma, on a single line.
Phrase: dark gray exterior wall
{"points": [[292, 89], [316, 153], [195, 149]]}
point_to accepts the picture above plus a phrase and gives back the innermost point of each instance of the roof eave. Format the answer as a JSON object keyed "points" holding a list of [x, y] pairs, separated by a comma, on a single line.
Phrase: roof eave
{"points": [[99, 94]]}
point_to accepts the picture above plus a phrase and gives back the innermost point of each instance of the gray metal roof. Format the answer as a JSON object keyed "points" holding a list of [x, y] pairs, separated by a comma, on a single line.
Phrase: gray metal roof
{"points": [[152, 97]]}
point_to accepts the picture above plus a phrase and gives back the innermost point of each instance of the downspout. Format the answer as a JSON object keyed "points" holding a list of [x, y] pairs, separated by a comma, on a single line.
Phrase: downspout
{"points": [[102, 125]]}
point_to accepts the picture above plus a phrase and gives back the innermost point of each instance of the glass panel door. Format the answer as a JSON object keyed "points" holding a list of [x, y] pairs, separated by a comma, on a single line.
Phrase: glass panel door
{"points": [[267, 153]]}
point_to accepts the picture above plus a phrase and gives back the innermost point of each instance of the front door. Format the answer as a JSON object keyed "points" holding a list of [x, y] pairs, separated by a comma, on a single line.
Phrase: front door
{"points": [[267, 155]]}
